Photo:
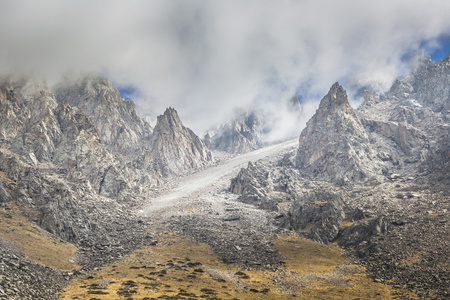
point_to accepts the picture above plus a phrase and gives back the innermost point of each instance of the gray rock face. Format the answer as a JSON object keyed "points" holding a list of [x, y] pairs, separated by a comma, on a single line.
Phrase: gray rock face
{"points": [[117, 123], [47, 132], [251, 184], [431, 86], [437, 159], [334, 146], [320, 213], [363, 231], [242, 135], [408, 126], [28, 121], [252, 129], [81, 149], [52, 201], [176, 149]]}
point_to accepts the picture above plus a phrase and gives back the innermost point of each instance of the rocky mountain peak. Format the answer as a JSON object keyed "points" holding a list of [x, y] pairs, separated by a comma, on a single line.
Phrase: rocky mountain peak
{"points": [[256, 126], [334, 144], [430, 83], [242, 134], [416, 61], [116, 120], [169, 120], [335, 99], [175, 148]]}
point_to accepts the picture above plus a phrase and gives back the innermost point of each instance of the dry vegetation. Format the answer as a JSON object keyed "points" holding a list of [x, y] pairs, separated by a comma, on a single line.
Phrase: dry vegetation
{"points": [[179, 268], [37, 244]]}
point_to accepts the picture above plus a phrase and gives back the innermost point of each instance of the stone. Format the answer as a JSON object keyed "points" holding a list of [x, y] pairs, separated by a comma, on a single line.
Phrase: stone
{"points": [[334, 146], [232, 218], [176, 149], [115, 118]]}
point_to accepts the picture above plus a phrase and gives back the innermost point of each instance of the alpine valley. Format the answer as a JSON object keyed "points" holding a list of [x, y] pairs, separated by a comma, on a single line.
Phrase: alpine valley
{"points": [[97, 203]]}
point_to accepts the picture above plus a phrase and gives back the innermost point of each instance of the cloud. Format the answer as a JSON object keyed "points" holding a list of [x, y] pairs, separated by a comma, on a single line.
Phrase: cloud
{"points": [[206, 57]]}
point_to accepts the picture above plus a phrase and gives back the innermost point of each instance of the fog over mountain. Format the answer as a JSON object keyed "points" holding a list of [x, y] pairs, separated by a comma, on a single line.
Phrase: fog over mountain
{"points": [[205, 58]]}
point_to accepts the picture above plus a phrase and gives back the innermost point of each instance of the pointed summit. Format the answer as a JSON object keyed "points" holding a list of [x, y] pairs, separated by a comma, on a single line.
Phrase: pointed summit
{"points": [[116, 120], [175, 148], [336, 97], [169, 120], [334, 144]]}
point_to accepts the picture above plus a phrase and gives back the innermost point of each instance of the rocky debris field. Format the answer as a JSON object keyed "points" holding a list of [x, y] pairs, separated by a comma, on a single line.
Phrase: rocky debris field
{"points": [[21, 278], [236, 232], [399, 229], [415, 251]]}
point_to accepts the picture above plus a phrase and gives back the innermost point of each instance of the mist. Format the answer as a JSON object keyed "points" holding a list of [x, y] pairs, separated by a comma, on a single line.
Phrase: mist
{"points": [[205, 58]]}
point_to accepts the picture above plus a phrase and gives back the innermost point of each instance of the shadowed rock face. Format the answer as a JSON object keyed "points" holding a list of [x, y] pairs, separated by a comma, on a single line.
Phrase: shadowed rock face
{"points": [[176, 149], [334, 145], [319, 214]]}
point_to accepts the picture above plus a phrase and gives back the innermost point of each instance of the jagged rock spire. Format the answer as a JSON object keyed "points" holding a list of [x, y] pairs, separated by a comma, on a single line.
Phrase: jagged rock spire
{"points": [[175, 148], [334, 144], [116, 120]]}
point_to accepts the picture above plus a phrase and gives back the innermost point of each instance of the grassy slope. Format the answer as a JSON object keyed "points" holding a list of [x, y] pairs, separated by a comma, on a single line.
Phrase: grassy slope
{"points": [[37, 244], [167, 270]]}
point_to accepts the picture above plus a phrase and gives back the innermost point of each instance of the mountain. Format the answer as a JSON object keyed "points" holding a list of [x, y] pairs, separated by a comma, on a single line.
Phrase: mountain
{"points": [[430, 83], [73, 164], [334, 146], [176, 149], [116, 120], [257, 126], [241, 135], [79, 167], [374, 180]]}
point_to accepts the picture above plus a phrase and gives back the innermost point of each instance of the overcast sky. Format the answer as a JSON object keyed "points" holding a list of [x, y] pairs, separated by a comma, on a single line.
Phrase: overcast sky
{"points": [[204, 58]]}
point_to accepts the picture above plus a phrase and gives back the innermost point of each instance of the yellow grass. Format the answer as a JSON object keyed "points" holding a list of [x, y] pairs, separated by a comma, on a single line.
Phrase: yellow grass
{"points": [[37, 244], [310, 271], [412, 258]]}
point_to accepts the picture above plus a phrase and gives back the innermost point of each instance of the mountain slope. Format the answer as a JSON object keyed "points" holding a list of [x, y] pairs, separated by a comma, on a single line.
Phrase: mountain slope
{"points": [[334, 145], [116, 120], [176, 149]]}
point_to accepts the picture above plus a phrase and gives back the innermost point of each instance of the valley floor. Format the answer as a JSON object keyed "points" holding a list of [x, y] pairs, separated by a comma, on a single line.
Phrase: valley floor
{"points": [[192, 239], [202, 243]]}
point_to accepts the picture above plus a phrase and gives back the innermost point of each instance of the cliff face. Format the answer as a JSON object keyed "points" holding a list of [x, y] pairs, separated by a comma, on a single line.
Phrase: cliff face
{"points": [[50, 132], [60, 154], [257, 126], [408, 125], [334, 145], [241, 135], [176, 149], [430, 83], [115, 119]]}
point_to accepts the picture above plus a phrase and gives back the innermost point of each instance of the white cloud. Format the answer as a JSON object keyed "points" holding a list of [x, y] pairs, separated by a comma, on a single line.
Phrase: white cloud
{"points": [[206, 57]]}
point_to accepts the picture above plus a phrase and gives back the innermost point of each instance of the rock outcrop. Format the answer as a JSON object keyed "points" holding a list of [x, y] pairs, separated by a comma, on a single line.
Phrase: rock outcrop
{"points": [[175, 148], [257, 126], [334, 146], [115, 119], [241, 135], [430, 83], [318, 213]]}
